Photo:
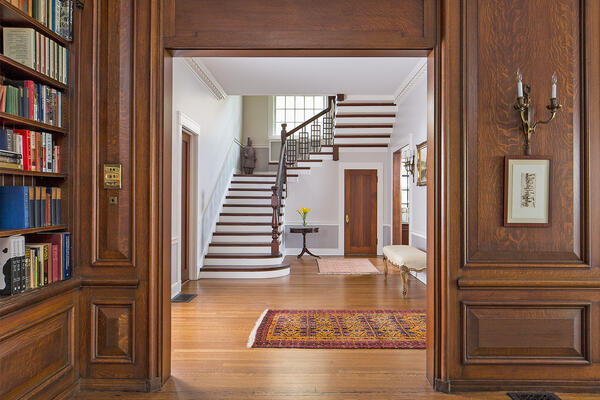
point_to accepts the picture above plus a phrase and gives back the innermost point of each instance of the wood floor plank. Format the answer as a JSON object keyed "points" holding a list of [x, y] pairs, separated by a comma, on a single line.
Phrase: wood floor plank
{"points": [[211, 361]]}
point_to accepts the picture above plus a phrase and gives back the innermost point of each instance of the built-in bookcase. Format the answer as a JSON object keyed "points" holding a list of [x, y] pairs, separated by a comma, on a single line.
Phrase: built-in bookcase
{"points": [[12, 16]]}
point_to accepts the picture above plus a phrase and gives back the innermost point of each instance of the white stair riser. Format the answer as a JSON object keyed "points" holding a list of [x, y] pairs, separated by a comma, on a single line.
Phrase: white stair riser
{"points": [[251, 185], [238, 250], [360, 140], [242, 238], [309, 164], [363, 131], [243, 261], [249, 209], [325, 157], [250, 192], [364, 120], [255, 178], [299, 171], [244, 274], [245, 228], [247, 201], [245, 218], [292, 180], [341, 109]]}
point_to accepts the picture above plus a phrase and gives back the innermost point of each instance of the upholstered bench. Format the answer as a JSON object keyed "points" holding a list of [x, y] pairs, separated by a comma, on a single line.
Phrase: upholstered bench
{"points": [[405, 258]]}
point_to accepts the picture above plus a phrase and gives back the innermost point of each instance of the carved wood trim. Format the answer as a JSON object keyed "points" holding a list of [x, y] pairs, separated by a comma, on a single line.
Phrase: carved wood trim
{"points": [[120, 314]]}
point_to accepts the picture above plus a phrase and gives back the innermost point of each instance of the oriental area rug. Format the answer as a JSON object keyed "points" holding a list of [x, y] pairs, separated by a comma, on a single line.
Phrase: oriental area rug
{"points": [[339, 329]]}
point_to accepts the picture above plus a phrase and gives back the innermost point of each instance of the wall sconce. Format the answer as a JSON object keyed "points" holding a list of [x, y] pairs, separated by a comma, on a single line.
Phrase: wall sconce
{"points": [[409, 164], [525, 108]]}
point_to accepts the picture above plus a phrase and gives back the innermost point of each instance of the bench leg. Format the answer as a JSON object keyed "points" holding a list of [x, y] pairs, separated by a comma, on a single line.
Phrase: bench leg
{"points": [[385, 262], [404, 277]]}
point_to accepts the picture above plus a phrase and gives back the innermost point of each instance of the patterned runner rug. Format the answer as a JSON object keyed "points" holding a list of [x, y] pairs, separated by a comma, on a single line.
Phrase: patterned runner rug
{"points": [[339, 329]]}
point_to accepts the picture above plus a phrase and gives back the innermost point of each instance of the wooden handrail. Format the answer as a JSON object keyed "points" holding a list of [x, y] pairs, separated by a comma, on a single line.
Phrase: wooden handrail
{"points": [[281, 174]]}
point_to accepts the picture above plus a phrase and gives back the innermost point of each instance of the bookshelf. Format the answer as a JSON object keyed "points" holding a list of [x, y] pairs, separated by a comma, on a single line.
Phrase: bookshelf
{"points": [[11, 16]]}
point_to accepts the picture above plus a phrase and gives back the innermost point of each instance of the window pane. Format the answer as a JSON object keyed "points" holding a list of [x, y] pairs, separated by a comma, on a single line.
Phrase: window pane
{"points": [[308, 102], [319, 102], [280, 101], [405, 196], [300, 115], [299, 102], [308, 114], [289, 101], [280, 117], [289, 116]]}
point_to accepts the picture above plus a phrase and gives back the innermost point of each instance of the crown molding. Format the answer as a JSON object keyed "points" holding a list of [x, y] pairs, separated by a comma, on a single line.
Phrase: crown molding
{"points": [[204, 76], [411, 81]]}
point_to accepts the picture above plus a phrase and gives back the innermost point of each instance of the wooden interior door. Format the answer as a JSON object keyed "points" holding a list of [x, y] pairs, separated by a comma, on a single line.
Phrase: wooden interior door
{"points": [[360, 206], [185, 206], [397, 231]]}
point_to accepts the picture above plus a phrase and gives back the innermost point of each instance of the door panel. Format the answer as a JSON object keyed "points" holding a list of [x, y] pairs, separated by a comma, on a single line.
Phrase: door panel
{"points": [[185, 206], [360, 233]]}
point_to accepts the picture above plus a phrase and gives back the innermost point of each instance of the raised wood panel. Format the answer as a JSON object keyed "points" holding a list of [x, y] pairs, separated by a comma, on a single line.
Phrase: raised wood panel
{"points": [[37, 351], [113, 328], [500, 37], [304, 24], [525, 333], [114, 132]]}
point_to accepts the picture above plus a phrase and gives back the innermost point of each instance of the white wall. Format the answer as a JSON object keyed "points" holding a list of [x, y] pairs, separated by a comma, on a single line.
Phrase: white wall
{"points": [[410, 128], [220, 125]]}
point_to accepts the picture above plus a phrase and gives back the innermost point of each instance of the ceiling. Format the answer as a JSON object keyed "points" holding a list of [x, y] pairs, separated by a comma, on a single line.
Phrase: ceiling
{"points": [[314, 75]]}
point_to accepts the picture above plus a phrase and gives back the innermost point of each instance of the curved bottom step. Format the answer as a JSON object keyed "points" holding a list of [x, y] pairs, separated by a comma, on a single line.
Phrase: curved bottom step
{"points": [[244, 272]]}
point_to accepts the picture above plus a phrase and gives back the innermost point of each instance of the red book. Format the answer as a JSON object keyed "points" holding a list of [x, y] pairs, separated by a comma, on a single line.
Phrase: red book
{"points": [[56, 270], [56, 240], [26, 148]]}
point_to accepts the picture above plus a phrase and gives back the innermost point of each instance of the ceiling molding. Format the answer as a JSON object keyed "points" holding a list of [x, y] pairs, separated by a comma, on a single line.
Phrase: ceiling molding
{"points": [[411, 81], [204, 76]]}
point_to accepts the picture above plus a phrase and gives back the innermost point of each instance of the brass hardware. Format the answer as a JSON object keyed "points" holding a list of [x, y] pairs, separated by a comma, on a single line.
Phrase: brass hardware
{"points": [[525, 109], [112, 176], [347, 218], [113, 200]]}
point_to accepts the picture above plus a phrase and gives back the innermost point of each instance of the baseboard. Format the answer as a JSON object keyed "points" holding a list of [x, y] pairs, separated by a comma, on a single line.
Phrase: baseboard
{"points": [[117, 385], [175, 289], [458, 385], [319, 252], [69, 392]]}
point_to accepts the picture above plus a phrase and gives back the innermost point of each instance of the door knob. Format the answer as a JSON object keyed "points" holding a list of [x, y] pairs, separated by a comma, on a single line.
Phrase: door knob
{"points": [[347, 218]]}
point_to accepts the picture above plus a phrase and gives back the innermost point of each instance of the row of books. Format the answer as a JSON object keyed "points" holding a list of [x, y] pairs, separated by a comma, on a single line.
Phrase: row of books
{"points": [[57, 15], [36, 51], [32, 261], [31, 100], [29, 150], [24, 207]]}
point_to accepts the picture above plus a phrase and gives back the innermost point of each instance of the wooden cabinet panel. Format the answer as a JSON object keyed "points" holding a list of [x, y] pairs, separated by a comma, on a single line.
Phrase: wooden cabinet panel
{"points": [[502, 36], [113, 331], [37, 353], [525, 333], [304, 24]]}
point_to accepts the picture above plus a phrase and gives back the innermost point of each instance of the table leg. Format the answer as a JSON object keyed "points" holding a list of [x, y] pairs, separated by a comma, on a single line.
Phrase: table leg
{"points": [[304, 248]]}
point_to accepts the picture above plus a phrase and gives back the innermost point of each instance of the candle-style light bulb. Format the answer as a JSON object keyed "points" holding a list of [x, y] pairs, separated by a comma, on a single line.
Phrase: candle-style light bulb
{"points": [[519, 83], [554, 80]]}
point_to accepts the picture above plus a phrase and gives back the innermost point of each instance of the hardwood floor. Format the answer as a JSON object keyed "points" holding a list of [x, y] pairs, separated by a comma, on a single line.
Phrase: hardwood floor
{"points": [[211, 361]]}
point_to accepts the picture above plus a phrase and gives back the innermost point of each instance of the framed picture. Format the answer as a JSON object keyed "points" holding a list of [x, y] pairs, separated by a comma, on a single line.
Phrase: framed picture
{"points": [[422, 164], [527, 191]]}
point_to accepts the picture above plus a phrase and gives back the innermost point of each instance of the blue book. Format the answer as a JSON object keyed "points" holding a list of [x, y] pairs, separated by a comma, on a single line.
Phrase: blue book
{"points": [[66, 259], [14, 207]]}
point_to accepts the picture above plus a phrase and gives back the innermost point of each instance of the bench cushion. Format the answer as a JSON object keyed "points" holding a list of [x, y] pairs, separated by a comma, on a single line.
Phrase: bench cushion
{"points": [[406, 255]]}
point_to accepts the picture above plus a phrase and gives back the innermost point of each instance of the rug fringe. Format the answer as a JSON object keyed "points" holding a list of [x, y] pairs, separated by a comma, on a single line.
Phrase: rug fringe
{"points": [[252, 337]]}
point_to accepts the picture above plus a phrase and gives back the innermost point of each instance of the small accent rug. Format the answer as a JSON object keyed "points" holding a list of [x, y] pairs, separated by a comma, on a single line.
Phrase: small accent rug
{"points": [[339, 329], [183, 298], [532, 396], [346, 266]]}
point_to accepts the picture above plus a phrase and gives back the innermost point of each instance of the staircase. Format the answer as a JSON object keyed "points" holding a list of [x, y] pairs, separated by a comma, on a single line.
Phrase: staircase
{"points": [[241, 244]]}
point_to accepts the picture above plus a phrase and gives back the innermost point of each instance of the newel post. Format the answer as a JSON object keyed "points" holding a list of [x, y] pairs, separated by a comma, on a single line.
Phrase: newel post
{"points": [[275, 222]]}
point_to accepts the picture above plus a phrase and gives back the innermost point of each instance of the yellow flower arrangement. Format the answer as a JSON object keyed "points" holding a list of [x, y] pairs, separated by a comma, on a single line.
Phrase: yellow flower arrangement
{"points": [[303, 211]]}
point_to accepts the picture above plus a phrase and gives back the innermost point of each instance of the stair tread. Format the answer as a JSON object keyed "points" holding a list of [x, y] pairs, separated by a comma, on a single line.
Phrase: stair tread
{"points": [[298, 168], [242, 233], [238, 268], [247, 205], [362, 145], [246, 223], [366, 115], [254, 175], [366, 104], [361, 136], [246, 214], [250, 197], [240, 244], [253, 182], [252, 190], [364, 126], [309, 160], [242, 255]]}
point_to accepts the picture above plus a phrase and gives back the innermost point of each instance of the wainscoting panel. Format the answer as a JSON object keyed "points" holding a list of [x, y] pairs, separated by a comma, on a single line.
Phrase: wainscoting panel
{"points": [[37, 349], [523, 333], [113, 331]]}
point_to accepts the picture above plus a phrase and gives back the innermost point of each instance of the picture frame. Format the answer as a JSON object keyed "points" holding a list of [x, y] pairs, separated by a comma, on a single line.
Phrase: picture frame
{"points": [[527, 191], [422, 164]]}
